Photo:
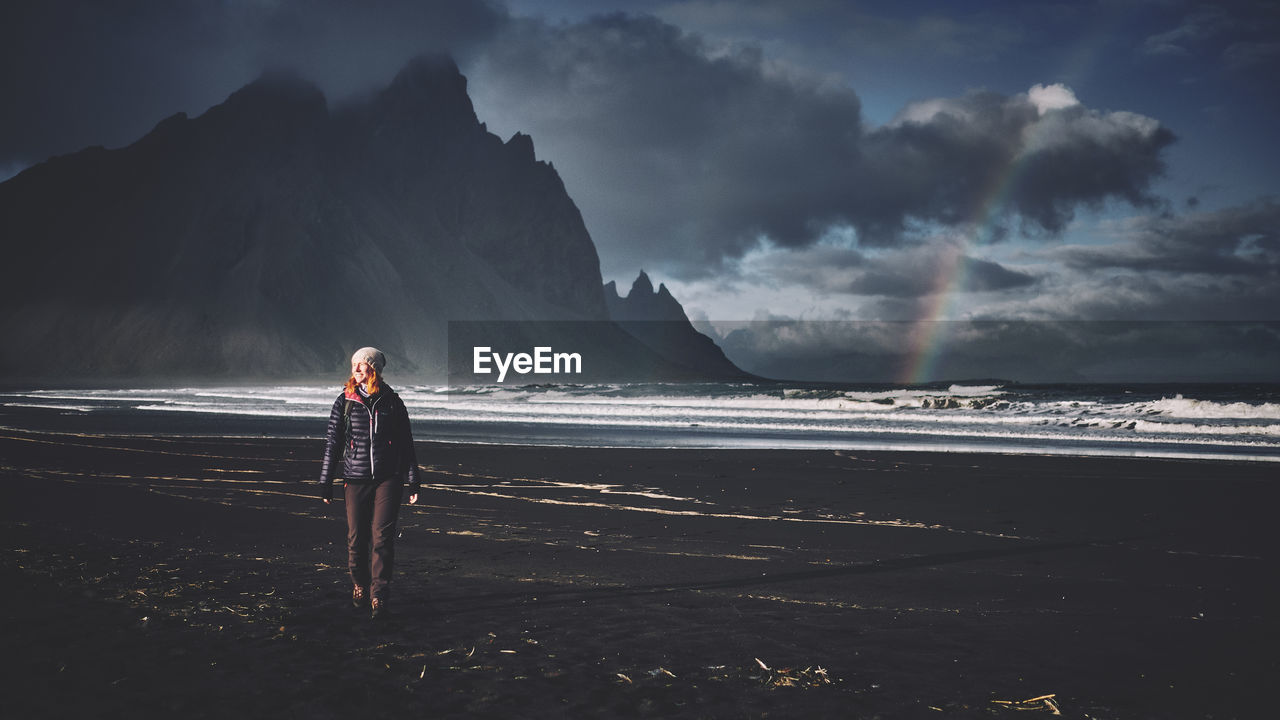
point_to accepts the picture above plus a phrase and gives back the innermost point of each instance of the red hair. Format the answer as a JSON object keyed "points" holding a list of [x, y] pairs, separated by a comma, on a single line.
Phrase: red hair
{"points": [[372, 383]]}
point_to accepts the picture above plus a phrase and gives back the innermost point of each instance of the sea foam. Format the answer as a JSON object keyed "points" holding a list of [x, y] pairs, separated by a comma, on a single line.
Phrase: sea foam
{"points": [[1216, 422]]}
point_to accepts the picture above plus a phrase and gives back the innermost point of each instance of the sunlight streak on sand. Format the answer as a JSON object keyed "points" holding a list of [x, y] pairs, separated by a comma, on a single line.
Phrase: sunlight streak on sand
{"points": [[904, 524]]}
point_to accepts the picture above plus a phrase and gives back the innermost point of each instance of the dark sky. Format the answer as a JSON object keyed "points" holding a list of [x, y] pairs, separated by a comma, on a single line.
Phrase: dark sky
{"points": [[814, 159]]}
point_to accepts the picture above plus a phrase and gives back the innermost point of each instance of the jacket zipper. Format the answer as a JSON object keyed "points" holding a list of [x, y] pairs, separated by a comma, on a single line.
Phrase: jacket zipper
{"points": [[373, 429]]}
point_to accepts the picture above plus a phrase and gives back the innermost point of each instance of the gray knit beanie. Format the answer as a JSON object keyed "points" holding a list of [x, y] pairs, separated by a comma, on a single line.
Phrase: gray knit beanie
{"points": [[372, 357]]}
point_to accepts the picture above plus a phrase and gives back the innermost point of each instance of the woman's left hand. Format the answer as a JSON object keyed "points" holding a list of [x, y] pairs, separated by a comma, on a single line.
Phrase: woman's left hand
{"points": [[413, 498]]}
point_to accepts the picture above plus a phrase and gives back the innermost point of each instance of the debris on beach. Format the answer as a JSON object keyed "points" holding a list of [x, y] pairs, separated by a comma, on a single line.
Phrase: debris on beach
{"points": [[1042, 703], [810, 677]]}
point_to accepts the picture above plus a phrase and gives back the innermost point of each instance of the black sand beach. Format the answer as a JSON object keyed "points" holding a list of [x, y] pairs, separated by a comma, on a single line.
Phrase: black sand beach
{"points": [[202, 577]]}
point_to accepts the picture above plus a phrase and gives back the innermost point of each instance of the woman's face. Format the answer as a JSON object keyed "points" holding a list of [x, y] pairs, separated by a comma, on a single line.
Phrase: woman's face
{"points": [[360, 371]]}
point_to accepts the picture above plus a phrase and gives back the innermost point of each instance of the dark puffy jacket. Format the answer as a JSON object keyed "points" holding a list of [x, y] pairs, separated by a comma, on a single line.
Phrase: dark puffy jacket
{"points": [[372, 439]]}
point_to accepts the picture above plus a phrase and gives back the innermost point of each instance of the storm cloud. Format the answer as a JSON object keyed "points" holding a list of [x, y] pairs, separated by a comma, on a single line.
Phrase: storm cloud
{"points": [[909, 272], [1038, 155], [76, 73], [711, 149], [682, 153], [1237, 35], [1218, 265], [1241, 240], [1024, 351]]}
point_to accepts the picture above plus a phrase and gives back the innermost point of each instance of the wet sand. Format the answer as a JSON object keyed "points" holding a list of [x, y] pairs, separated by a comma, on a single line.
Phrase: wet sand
{"points": [[202, 577]]}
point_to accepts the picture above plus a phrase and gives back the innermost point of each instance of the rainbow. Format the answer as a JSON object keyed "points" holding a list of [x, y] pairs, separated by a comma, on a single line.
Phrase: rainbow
{"points": [[927, 338]]}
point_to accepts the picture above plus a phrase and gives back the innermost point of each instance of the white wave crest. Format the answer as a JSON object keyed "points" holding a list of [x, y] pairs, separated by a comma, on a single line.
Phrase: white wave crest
{"points": [[989, 415], [1181, 407], [972, 390], [1147, 426]]}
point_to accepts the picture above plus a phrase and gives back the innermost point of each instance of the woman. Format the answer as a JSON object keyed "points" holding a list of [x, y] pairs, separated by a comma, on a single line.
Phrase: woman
{"points": [[369, 430]]}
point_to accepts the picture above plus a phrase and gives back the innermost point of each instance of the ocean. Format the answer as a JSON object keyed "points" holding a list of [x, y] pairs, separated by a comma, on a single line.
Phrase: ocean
{"points": [[1217, 421]]}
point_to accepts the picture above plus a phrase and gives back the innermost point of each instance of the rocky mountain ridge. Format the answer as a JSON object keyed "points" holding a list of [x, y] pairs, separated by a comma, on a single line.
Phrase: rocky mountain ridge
{"points": [[658, 321], [272, 234]]}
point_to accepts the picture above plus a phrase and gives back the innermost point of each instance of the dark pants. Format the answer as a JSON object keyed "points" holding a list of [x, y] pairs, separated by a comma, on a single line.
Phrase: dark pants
{"points": [[372, 510]]}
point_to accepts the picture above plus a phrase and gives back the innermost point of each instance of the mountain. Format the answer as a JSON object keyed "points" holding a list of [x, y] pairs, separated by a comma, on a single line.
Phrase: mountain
{"points": [[649, 339], [273, 234], [658, 321]]}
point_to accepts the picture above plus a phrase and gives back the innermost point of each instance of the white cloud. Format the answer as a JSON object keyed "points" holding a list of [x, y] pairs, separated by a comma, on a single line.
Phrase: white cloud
{"points": [[683, 155], [1051, 97], [923, 112]]}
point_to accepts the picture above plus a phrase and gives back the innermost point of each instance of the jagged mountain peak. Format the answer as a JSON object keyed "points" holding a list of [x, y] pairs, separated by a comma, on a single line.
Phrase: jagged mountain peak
{"points": [[522, 147], [430, 85], [642, 287], [643, 303], [658, 320]]}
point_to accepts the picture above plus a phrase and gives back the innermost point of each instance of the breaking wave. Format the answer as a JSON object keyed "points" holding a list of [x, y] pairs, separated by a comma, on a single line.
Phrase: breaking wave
{"points": [[1214, 422]]}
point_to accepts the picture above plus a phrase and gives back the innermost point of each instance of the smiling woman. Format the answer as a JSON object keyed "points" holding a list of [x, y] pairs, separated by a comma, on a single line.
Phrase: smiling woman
{"points": [[369, 430]]}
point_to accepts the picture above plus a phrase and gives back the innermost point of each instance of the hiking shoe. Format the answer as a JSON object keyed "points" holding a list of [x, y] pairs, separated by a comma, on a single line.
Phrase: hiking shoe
{"points": [[359, 597]]}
